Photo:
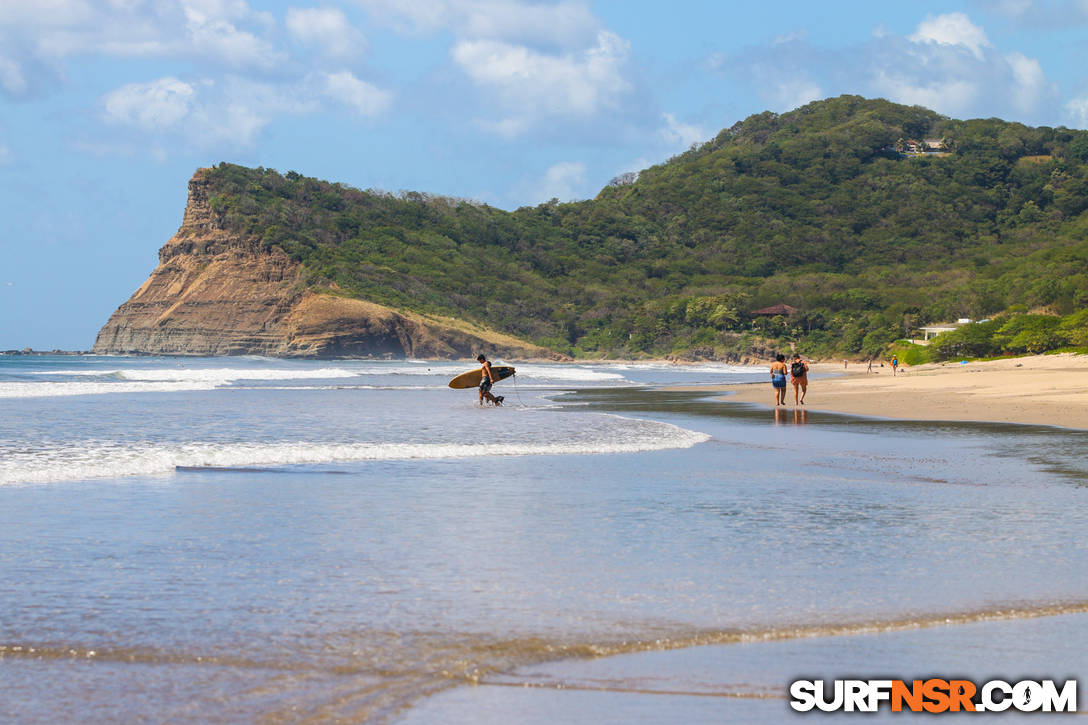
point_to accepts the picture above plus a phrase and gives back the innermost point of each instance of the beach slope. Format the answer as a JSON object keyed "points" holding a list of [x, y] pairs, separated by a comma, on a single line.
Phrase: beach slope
{"points": [[1044, 390]]}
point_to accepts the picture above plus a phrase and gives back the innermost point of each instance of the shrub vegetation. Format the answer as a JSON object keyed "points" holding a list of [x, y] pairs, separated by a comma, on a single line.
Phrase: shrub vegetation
{"points": [[815, 209]]}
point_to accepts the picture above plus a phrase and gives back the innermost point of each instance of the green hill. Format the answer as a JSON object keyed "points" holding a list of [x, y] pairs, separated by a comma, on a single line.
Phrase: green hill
{"points": [[824, 209]]}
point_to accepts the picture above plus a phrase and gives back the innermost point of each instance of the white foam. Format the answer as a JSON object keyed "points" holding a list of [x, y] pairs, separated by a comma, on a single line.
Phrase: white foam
{"points": [[715, 368], [182, 379], [138, 379], [53, 390], [436, 370], [566, 374], [103, 459], [157, 380], [209, 375]]}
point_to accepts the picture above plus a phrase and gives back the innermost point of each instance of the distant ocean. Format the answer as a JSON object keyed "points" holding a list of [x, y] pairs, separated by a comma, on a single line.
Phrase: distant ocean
{"points": [[248, 539]]}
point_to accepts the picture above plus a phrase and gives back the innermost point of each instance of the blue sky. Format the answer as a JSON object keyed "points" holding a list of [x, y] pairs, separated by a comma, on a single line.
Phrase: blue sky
{"points": [[108, 106]]}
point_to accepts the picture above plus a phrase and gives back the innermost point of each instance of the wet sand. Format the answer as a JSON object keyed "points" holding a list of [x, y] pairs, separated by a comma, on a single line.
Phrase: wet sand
{"points": [[1043, 390], [748, 682]]}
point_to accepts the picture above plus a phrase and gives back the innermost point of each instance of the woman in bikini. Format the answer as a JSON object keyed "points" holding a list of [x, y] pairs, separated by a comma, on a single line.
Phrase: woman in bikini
{"points": [[779, 370]]}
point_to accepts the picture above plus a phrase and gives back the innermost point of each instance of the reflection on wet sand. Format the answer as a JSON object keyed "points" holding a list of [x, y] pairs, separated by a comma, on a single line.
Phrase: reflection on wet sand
{"points": [[785, 416]]}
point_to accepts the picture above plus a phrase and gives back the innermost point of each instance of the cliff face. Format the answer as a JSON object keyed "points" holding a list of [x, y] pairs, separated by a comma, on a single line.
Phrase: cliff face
{"points": [[214, 293]]}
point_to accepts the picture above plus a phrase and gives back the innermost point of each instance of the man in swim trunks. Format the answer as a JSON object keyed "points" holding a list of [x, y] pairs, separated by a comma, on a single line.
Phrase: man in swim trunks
{"points": [[779, 370], [799, 376], [487, 379]]}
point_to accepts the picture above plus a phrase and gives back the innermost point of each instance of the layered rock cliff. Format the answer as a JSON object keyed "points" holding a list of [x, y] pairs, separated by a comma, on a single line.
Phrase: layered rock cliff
{"points": [[218, 293]]}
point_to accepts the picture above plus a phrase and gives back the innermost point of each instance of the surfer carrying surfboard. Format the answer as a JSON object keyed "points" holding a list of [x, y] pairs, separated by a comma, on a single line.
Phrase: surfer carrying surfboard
{"points": [[487, 379], [483, 378]]}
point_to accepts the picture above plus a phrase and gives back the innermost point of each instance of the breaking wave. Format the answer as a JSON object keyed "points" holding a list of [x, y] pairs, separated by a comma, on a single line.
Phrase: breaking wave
{"points": [[109, 459]]}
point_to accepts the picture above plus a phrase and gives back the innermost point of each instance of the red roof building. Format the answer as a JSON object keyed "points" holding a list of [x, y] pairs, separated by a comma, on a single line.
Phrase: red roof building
{"points": [[779, 309]]}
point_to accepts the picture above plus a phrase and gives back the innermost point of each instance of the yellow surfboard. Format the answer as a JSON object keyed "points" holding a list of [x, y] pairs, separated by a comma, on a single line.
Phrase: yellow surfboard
{"points": [[472, 378]]}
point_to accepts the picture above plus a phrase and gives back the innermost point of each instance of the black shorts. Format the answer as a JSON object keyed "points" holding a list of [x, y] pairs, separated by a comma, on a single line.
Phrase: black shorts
{"points": [[485, 386]]}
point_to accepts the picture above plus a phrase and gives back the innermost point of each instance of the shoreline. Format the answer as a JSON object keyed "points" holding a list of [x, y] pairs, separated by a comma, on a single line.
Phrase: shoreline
{"points": [[1049, 390]]}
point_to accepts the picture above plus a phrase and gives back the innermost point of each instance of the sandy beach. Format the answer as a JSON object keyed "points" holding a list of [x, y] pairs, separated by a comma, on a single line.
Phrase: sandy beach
{"points": [[1045, 390]]}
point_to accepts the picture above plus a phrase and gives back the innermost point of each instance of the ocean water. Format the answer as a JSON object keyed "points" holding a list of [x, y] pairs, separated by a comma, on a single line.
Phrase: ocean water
{"points": [[255, 540]]}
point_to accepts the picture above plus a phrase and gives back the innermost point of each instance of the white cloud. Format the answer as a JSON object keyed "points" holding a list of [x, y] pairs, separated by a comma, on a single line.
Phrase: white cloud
{"points": [[326, 29], [212, 29], [235, 123], [1030, 87], [6, 157], [231, 112], [212, 10], [45, 12], [11, 77], [1013, 8], [682, 135], [947, 64], [564, 181], [936, 73], [241, 79], [534, 84], [565, 24], [366, 99], [636, 167], [533, 61], [506, 127], [952, 29], [791, 37], [782, 77], [1077, 112], [205, 12], [410, 17], [240, 109], [158, 104], [790, 93], [561, 24], [945, 95], [1043, 13], [39, 38], [124, 4]]}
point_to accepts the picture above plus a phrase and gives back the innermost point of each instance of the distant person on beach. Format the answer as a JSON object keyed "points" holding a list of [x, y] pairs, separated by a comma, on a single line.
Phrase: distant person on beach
{"points": [[895, 364], [799, 376], [870, 368], [779, 370], [487, 379]]}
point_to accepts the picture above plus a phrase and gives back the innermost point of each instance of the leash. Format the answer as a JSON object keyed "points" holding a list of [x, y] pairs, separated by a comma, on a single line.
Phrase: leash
{"points": [[516, 391]]}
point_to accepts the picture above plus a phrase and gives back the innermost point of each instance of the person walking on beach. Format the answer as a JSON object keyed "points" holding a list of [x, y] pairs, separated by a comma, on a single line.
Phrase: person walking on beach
{"points": [[487, 379], [778, 379], [895, 364], [799, 376]]}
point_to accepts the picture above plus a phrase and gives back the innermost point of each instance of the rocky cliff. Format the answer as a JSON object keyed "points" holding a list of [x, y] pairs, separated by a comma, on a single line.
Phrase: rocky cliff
{"points": [[216, 293]]}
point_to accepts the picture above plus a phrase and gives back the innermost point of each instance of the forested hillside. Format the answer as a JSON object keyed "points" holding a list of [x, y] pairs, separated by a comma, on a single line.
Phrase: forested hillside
{"points": [[826, 209]]}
